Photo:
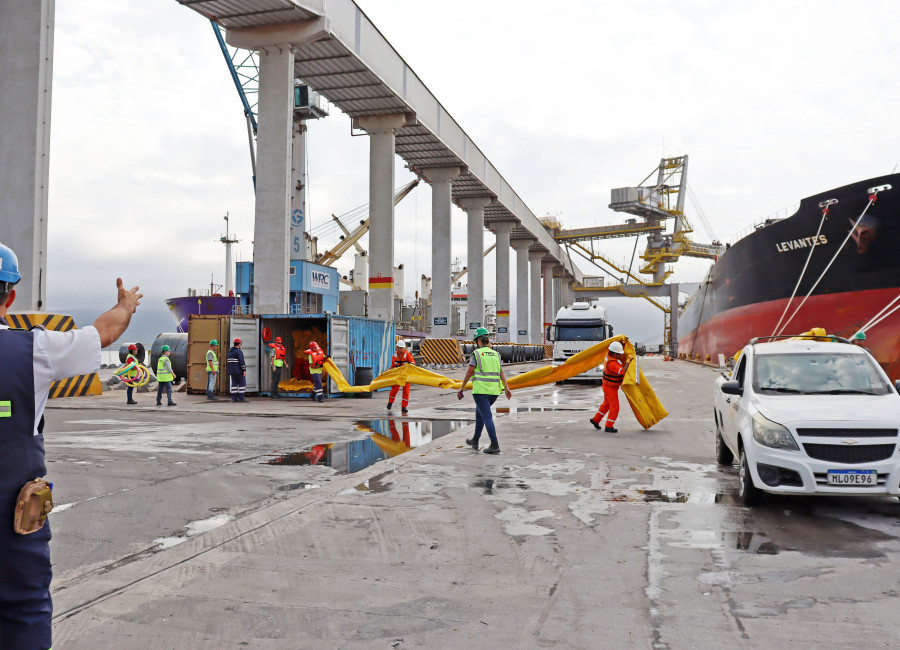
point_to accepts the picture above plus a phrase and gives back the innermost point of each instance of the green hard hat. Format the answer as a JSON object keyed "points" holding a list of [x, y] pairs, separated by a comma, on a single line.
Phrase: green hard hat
{"points": [[214, 342], [481, 331], [860, 336], [165, 348]]}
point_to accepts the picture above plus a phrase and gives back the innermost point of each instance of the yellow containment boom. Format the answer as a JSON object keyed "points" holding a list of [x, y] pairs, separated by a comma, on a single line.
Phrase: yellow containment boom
{"points": [[646, 406]]}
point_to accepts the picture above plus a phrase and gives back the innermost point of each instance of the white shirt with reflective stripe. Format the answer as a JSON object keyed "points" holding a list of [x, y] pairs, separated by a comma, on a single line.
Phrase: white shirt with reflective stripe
{"points": [[60, 355]]}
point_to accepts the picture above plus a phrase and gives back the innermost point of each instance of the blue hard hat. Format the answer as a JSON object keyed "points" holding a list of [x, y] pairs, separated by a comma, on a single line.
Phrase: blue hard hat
{"points": [[9, 265]]}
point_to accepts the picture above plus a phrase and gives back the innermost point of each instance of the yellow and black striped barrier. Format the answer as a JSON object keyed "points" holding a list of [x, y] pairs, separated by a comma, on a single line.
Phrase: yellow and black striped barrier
{"points": [[55, 322], [76, 386], [445, 351]]}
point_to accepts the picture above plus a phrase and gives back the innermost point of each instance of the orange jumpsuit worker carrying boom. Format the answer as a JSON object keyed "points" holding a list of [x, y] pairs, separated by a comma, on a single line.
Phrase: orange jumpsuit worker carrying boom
{"points": [[401, 358], [613, 374]]}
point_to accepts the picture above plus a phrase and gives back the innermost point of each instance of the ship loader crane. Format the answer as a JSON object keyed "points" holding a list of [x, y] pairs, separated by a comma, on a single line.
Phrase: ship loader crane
{"points": [[653, 203]]}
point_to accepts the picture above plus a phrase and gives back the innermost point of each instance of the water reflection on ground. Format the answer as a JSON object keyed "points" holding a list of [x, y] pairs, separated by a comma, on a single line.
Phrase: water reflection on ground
{"points": [[386, 438]]}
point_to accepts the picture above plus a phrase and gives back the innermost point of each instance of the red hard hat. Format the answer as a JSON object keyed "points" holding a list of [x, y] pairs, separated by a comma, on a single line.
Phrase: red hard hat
{"points": [[237, 341], [278, 339], [313, 345], [132, 347]]}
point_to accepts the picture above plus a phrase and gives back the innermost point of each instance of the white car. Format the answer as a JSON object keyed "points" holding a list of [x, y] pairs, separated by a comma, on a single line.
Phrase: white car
{"points": [[809, 417]]}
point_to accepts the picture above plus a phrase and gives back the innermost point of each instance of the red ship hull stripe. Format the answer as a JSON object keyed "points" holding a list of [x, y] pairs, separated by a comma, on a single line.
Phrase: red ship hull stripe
{"points": [[841, 314]]}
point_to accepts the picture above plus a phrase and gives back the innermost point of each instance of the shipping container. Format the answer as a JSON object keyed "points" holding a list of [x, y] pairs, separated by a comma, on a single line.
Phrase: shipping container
{"points": [[201, 330], [247, 329], [351, 342]]}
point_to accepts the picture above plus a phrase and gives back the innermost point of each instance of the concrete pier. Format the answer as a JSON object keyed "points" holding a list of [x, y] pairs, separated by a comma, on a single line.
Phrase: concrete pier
{"points": [[271, 232], [474, 208], [570, 538], [522, 292], [382, 130], [26, 75], [536, 328], [502, 229], [440, 179], [548, 303]]}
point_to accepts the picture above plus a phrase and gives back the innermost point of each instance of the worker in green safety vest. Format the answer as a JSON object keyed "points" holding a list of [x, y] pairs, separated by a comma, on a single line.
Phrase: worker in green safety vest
{"points": [[164, 375], [212, 370], [488, 381]]}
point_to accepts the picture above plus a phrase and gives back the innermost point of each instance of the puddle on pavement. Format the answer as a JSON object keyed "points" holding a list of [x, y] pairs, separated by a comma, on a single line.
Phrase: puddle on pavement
{"points": [[509, 409], [192, 529], [297, 486], [530, 409], [375, 485], [387, 437], [488, 485]]}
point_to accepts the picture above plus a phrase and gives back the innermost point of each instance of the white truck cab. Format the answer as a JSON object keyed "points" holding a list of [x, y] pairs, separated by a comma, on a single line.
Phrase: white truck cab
{"points": [[578, 327]]}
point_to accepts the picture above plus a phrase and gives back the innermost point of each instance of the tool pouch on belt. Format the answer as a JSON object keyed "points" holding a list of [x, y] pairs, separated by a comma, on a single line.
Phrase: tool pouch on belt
{"points": [[33, 504]]}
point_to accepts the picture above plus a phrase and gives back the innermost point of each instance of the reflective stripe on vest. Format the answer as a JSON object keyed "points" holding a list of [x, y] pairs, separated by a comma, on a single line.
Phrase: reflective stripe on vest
{"points": [[486, 379], [164, 370], [21, 452], [212, 361]]}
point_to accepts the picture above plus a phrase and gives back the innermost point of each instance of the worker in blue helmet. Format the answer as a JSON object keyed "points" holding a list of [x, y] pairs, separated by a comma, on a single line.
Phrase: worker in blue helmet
{"points": [[30, 361]]}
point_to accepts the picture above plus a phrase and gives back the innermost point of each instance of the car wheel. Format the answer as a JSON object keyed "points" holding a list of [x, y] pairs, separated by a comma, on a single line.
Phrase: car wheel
{"points": [[748, 493], [723, 453]]}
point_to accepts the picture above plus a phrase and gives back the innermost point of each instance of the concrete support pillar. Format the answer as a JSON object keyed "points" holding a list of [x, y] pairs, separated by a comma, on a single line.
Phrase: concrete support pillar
{"points": [[568, 291], [26, 75], [381, 129], [535, 327], [441, 196], [474, 208], [298, 191], [522, 293], [502, 229], [548, 314], [271, 232]]}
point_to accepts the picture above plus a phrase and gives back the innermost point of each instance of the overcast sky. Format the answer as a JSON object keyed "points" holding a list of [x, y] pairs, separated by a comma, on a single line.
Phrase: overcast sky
{"points": [[773, 101]]}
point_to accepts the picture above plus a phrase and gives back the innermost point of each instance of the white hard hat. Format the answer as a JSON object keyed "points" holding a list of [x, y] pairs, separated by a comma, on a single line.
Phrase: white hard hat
{"points": [[401, 343], [617, 348]]}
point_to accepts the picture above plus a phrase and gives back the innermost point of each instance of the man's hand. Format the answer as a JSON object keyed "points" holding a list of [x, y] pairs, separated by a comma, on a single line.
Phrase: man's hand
{"points": [[460, 394], [508, 393], [111, 325], [128, 298]]}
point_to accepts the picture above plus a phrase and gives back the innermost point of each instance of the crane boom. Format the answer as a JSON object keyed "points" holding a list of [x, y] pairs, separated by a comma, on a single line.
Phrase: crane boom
{"points": [[328, 258]]}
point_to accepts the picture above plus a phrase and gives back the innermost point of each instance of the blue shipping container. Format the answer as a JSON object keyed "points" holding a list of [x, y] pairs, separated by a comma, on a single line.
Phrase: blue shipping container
{"points": [[352, 342], [356, 342]]}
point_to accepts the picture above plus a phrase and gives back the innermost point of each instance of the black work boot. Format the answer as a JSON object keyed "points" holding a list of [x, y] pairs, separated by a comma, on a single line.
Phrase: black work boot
{"points": [[390, 404], [131, 401], [473, 443], [596, 424], [493, 449], [404, 410], [610, 430]]}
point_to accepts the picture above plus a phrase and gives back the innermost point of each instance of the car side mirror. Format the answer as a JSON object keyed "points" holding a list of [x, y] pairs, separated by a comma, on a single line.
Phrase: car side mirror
{"points": [[732, 388]]}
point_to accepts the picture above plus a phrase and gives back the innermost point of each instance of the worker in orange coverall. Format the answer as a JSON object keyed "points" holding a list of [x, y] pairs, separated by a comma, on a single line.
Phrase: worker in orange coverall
{"points": [[401, 358], [613, 374]]}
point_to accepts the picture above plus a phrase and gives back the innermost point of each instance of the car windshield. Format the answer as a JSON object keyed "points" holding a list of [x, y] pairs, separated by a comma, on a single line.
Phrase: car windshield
{"points": [[817, 374], [570, 333]]}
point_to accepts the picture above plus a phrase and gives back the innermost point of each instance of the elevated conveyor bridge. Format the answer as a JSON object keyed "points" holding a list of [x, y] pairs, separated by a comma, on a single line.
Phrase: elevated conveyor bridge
{"points": [[343, 56]]}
